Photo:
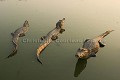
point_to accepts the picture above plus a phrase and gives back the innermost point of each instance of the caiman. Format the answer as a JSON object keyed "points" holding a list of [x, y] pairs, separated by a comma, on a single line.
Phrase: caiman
{"points": [[51, 36], [20, 32], [91, 46]]}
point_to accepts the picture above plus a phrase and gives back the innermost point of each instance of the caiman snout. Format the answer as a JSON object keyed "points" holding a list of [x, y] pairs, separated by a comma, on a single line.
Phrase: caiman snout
{"points": [[26, 24], [77, 56], [81, 53]]}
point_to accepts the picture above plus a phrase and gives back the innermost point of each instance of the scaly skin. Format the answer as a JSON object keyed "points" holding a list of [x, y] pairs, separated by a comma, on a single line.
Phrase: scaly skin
{"points": [[49, 37], [20, 32], [91, 46]]}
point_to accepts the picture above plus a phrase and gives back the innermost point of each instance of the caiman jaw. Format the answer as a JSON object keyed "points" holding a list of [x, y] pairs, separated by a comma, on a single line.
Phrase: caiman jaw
{"points": [[80, 55]]}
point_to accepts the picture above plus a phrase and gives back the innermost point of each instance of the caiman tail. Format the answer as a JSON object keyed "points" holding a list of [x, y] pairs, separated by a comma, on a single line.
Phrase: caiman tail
{"points": [[38, 59], [40, 49], [14, 50], [100, 37]]}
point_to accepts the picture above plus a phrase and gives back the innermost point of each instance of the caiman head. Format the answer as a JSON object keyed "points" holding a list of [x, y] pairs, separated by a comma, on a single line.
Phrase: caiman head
{"points": [[60, 23], [26, 24], [82, 53]]}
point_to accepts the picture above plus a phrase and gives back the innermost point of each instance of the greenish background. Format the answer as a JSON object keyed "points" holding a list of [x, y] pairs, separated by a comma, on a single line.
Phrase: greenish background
{"points": [[84, 19]]}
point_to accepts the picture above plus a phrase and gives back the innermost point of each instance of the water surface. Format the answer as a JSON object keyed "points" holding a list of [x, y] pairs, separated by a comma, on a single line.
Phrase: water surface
{"points": [[84, 19]]}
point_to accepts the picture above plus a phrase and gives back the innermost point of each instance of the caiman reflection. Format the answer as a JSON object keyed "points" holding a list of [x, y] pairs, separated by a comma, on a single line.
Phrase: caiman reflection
{"points": [[80, 66]]}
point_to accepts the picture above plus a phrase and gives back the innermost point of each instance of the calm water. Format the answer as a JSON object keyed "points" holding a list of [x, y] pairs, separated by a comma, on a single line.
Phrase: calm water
{"points": [[84, 19]]}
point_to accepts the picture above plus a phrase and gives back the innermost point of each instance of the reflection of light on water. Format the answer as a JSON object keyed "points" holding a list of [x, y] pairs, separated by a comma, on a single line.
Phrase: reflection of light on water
{"points": [[2, 0], [18, 0], [22, 0]]}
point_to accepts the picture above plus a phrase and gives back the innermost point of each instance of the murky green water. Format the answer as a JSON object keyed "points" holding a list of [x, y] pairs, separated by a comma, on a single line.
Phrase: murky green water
{"points": [[84, 19]]}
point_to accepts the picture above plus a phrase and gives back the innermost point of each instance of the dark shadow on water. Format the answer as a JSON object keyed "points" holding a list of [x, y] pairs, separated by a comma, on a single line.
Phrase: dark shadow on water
{"points": [[80, 66]]}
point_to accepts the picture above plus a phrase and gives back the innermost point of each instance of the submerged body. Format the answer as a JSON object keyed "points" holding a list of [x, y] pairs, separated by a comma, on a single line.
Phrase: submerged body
{"points": [[20, 32], [91, 46], [51, 36]]}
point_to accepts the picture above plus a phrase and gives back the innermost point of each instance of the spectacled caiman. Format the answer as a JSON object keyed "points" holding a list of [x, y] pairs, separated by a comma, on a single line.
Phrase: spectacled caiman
{"points": [[20, 32], [91, 46], [51, 36]]}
